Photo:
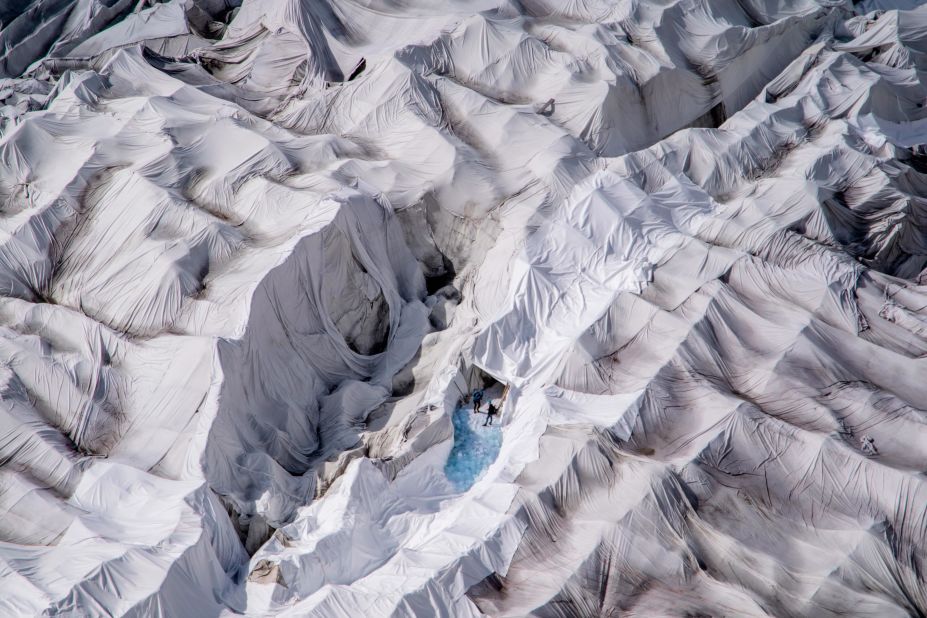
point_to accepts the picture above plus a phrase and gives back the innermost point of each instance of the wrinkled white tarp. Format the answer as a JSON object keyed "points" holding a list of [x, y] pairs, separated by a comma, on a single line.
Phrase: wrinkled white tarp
{"points": [[241, 295]]}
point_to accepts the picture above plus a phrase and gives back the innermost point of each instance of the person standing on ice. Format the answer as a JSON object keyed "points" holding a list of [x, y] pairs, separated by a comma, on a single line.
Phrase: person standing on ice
{"points": [[490, 412], [477, 399]]}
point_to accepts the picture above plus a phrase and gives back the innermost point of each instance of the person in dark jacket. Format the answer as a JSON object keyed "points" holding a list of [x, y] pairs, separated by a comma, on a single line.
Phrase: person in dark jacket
{"points": [[490, 412]]}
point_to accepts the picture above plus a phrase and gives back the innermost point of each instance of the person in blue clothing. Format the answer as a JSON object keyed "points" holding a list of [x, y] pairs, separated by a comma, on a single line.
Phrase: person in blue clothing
{"points": [[477, 399]]}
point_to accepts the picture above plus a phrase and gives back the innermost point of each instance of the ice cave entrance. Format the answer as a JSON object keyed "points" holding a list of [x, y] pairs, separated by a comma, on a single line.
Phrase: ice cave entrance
{"points": [[476, 445]]}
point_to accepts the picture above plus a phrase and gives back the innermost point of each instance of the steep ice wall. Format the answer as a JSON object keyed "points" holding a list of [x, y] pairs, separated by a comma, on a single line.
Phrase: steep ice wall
{"points": [[253, 254]]}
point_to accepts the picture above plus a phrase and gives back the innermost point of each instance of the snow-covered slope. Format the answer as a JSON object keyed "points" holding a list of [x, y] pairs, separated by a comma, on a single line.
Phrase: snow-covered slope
{"points": [[253, 254]]}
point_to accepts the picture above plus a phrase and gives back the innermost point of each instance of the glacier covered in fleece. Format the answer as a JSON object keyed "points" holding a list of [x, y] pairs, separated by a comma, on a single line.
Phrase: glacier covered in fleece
{"points": [[253, 254]]}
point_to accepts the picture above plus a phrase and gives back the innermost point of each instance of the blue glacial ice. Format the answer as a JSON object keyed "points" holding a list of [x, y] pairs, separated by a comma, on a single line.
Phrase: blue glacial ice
{"points": [[475, 447]]}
